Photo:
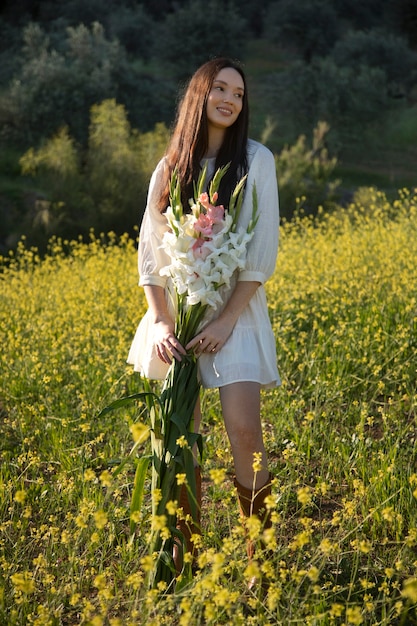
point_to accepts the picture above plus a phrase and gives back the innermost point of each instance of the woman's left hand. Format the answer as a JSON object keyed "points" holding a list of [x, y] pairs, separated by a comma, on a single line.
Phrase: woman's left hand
{"points": [[212, 338]]}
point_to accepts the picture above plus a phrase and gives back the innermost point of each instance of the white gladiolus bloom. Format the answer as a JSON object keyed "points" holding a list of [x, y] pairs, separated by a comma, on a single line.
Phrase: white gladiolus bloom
{"points": [[204, 251]]}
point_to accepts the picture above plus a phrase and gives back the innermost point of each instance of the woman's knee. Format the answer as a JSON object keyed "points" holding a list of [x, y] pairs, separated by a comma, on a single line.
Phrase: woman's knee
{"points": [[246, 436]]}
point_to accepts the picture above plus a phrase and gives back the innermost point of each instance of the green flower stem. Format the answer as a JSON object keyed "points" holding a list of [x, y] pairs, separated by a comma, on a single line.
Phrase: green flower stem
{"points": [[172, 424]]}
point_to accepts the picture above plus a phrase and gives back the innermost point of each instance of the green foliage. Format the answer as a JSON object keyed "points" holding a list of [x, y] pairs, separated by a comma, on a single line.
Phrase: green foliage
{"points": [[401, 16], [309, 27], [197, 32], [349, 99], [58, 86], [103, 187], [382, 50], [53, 87], [133, 28], [9, 49], [361, 15], [304, 175]]}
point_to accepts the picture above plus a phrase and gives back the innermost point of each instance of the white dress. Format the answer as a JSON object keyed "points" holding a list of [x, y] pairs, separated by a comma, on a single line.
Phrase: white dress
{"points": [[249, 354]]}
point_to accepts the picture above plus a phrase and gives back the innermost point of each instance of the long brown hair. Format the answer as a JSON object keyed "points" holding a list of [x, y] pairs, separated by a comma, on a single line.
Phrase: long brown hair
{"points": [[189, 139]]}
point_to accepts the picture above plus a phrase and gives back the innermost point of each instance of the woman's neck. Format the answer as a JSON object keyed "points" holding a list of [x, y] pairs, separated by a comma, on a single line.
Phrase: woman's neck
{"points": [[215, 141]]}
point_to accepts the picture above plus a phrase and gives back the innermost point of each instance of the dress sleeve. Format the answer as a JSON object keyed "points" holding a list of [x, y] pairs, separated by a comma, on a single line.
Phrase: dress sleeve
{"points": [[151, 258], [263, 247]]}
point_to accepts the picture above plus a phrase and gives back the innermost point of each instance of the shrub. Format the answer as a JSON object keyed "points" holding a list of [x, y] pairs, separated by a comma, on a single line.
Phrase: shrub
{"points": [[309, 27], [304, 174], [348, 99], [103, 187], [57, 86], [197, 32], [382, 50]]}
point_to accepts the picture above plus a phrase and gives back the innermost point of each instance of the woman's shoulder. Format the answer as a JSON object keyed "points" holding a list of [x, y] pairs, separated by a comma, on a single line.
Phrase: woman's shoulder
{"points": [[254, 148], [160, 166]]}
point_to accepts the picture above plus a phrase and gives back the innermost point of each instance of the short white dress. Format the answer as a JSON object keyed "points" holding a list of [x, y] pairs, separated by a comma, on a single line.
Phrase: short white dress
{"points": [[249, 354]]}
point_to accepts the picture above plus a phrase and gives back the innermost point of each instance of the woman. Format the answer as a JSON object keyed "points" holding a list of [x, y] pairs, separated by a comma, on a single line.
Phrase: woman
{"points": [[236, 346]]}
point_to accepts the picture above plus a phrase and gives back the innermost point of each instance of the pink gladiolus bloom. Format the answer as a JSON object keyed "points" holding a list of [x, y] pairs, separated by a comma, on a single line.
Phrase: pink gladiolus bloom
{"points": [[204, 200], [203, 225], [215, 213]]}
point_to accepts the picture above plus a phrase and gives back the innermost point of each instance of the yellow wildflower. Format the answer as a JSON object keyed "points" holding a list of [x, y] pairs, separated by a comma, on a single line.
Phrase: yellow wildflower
{"points": [[409, 589], [182, 442], [181, 479], [20, 496], [218, 475], [304, 495], [106, 478], [100, 519], [257, 462], [354, 615], [23, 582], [171, 507], [140, 432]]}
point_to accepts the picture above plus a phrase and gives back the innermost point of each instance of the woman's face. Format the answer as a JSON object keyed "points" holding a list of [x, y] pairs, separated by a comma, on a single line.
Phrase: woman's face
{"points": [[225, 99]]}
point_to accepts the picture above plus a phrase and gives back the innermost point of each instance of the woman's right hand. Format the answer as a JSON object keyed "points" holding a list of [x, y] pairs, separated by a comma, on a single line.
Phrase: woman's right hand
{"points": [[166, 343]]}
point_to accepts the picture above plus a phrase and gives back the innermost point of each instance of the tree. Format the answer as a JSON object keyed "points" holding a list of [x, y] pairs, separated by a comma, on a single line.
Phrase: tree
{"points": [[53, 88], [133, 28], [361, 15], [379, 49], [102, 187], [308, 27], [197, 32], [348, 99], [401, 17], [56, 88]]}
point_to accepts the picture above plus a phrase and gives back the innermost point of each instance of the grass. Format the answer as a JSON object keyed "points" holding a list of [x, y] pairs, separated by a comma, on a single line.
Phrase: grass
{"points": [[340, 433]]}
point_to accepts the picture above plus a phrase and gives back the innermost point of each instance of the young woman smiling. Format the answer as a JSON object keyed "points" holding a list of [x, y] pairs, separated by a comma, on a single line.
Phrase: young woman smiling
{"points": [[236, 346]]}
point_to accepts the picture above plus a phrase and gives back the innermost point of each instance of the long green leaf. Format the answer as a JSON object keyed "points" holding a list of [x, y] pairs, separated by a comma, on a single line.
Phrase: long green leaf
{"points": [[117, 404], [137, 495]]}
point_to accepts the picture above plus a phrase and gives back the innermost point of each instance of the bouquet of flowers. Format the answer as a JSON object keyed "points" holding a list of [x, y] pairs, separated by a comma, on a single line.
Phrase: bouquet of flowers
{"points": [[205, 246]]}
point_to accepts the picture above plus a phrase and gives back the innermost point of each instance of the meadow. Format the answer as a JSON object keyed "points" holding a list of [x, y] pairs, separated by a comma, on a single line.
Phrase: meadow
{"points": [[340, 433]]}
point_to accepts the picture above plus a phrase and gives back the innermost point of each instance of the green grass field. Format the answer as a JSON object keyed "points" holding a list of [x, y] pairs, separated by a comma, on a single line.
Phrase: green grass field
{"points": [[340, 433]]}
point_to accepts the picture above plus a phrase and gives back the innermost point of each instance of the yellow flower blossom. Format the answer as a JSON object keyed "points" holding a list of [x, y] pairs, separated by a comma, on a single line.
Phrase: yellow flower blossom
{"points": [[354, 615], [181, 479], [257, 462], [140, 432], [20, 496], [89, 475], [304, 495], [409, 589], [106, 478], [218, 475], [171, 507], [100, 519], [23, 581]]}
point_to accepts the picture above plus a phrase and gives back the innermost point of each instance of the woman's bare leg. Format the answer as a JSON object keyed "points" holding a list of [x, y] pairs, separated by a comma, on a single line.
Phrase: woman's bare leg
{"points": [[241, 413]]}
